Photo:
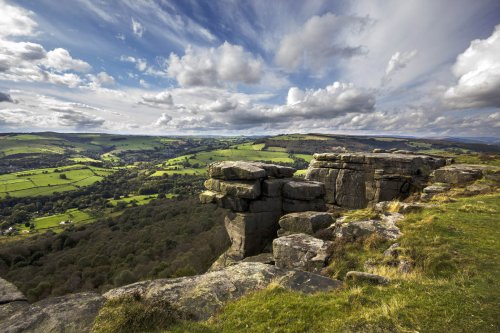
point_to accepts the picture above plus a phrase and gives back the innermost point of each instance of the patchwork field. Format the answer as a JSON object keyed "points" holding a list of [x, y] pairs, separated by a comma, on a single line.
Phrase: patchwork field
{"points": [[197, 163], [50, 180]]}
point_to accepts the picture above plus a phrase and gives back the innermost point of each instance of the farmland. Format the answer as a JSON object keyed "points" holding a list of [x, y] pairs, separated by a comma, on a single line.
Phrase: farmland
{"points": [[50, 180]]}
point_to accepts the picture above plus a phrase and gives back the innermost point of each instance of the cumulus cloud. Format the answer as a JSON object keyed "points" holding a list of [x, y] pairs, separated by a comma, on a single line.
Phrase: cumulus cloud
{"points": [[101, 79], [333, 100], [318, 42], [215, 66], [222, 110], [398, 61], [478, 73], [60, 60], [163, 121], [161, 99], [15, 21], [4, 97], [137, 28]]}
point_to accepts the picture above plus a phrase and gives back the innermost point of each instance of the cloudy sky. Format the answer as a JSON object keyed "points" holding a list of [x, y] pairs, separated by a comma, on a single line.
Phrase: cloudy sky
{"points": [[413, 67]]}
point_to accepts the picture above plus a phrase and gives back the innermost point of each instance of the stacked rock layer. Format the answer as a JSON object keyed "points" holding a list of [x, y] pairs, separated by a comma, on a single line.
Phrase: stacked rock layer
{"points": [[358, 180], [257, 195]]}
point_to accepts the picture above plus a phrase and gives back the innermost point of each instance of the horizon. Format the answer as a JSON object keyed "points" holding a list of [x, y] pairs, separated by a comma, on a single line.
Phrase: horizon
{"points": [[223, 68]]}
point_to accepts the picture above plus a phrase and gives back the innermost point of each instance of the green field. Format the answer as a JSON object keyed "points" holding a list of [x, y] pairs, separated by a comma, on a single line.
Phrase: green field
{"points": [[47, 181], [53, 221], [197, 163], [138, 199]]}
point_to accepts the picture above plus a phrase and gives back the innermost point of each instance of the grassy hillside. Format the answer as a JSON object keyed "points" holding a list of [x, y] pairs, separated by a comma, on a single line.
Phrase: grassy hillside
{"points": [[454, 287]]}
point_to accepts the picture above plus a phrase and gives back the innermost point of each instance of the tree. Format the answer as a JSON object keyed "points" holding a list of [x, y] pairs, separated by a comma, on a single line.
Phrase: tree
{"points": [[63, 176]]}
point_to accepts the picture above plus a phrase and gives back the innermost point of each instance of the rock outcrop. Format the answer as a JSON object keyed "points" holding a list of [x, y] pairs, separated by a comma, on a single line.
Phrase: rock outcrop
{"points": [[358, 180], [256, 195], [70, 313], [9, 292], [301, 251], [201, 296]]}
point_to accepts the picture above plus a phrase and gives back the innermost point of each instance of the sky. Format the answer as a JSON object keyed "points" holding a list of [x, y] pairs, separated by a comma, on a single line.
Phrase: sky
{"points": [[193, 67]]}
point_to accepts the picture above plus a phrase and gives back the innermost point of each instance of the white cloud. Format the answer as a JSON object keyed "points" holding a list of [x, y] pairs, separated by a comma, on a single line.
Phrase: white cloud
{"points": [[478, 73], [163, 121], [60, 60], [137, 28], [398, 61], [338, 98], [318, 42], [101, 79], [140, 63], [161, 99], [42, 112], [215, 66], [15, 21]]}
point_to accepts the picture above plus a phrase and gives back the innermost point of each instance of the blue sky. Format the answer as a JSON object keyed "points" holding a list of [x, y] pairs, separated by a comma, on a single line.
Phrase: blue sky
{"points": [[251, 67]]}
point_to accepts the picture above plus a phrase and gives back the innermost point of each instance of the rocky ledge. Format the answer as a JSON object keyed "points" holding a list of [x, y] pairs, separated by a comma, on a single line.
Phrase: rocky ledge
{"points": [[200, 296], [358, 180]]}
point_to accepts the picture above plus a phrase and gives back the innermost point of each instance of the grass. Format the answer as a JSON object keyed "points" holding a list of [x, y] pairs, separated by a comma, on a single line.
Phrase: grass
{"points": [[138, 199], [47, 181], [52, 221], [453, 288], [241, 152]]}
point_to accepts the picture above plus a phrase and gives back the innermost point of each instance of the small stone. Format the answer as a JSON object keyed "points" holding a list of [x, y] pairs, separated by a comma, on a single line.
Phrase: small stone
{"points": [[392, 251], [366, 277]]}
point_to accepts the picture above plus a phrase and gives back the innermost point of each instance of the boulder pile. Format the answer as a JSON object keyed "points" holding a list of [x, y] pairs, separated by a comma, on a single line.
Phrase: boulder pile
{"points": [[359, 180], [257, 195]]}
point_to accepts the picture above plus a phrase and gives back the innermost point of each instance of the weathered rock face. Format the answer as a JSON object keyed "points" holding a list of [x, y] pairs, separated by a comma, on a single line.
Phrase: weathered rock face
{"points": [[9, 292], [301, 251], [201, 296], [308, 222], [257, 194], [385, 228], [71, 313], [460, 174], [358, 180]]}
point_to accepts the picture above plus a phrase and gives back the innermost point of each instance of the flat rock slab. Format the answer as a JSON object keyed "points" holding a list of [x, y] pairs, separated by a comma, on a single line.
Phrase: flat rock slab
{"points": [[9, 292], [202, 295], [239, 189], [303, 190], [385, 228], [71, 313], [301, 251], [308, 222], [457, 174], [242, 170]]}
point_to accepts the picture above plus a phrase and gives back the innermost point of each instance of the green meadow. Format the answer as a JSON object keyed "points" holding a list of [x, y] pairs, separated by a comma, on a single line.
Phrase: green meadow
{"points": [[196, 163], [48, 181]]}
